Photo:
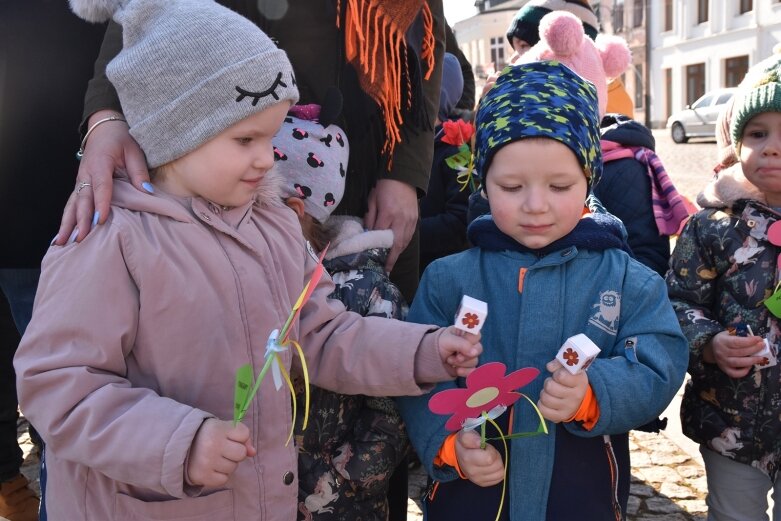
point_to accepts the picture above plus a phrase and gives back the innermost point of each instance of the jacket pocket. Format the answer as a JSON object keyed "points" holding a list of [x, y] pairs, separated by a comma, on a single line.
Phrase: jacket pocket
{"points": [[213, 507]]}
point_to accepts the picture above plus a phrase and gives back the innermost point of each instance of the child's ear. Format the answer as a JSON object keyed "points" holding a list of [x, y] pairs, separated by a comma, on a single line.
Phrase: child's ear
{"points": [[297, 205]]}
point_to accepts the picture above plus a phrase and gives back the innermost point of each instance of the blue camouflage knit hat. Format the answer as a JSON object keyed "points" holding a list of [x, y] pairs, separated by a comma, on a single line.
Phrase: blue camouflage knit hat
{"points": [[540, 99]]}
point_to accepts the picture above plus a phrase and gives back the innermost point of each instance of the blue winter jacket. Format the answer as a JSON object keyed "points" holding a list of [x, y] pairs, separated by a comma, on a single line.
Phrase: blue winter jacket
{"points": [[617, 302]]}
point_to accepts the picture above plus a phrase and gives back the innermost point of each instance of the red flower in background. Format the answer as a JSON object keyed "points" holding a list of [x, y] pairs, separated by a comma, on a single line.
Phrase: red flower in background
{"points": [[457, 132]]}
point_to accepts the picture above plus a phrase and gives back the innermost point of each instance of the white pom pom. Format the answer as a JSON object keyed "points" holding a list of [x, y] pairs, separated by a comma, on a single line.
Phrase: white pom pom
{"points": [[96, 10]]}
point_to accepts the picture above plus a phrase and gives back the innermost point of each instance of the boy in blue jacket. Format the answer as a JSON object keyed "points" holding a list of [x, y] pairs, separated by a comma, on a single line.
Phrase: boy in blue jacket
{"points": [[548, 269]]}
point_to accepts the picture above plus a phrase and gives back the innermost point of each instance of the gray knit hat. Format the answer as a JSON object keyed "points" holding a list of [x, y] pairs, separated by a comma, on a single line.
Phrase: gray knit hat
{"points": [[188, 70], [760, 91]]}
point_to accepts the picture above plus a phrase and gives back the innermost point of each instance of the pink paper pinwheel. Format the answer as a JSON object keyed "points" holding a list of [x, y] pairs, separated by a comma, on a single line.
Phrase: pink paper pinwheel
{"points": [[487, 387]]}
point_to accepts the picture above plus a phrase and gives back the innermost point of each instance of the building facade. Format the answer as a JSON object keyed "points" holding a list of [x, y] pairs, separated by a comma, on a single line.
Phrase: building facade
{"points": [[680, 48], [701, 45]]}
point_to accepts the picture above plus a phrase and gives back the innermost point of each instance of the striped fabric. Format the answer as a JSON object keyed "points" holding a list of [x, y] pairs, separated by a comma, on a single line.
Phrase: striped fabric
{"points": [[670, 207]]}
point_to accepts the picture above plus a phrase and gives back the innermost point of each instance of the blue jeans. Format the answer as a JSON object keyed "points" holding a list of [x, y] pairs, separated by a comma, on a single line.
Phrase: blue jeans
{"points": [[18, 286]]}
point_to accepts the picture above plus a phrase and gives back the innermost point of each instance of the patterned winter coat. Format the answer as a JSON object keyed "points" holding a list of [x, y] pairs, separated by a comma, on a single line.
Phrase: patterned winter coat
{"points": [[723, 267], [353, 443]]}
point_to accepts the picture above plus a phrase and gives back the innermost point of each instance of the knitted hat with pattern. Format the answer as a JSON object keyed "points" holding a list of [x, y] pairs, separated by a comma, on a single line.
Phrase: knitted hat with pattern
{"points": [[760, 91], [525, 24], [188, 70], [540, 99], [312, 163]]}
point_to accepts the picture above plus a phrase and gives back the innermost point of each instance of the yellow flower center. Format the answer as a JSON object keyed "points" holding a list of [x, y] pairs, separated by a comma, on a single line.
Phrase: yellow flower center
{"points": [[482, 397]]}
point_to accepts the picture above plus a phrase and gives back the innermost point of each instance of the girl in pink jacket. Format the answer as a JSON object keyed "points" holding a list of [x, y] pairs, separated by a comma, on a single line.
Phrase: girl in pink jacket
{"points": [[127, 366]]}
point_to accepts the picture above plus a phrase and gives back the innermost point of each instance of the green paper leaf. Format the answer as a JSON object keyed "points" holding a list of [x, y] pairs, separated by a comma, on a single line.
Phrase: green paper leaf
{"points": [[460, 160], [241, 396]]}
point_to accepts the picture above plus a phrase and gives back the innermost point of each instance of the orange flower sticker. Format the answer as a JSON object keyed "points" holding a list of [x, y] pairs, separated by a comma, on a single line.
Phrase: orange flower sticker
{"points": [[571, 356], [470, 320]]}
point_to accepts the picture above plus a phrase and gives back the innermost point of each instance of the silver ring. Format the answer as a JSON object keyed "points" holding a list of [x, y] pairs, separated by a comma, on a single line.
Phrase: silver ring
{"points": [[82, 185]]}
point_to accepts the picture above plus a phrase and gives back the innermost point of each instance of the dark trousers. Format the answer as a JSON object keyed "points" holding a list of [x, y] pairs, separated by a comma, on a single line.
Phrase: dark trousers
{"points": [[18, 286]]}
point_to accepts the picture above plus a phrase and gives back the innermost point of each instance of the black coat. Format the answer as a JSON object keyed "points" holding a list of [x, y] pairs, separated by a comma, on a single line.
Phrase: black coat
{"points": [[46, 58], [443, 209], [625, 191]]}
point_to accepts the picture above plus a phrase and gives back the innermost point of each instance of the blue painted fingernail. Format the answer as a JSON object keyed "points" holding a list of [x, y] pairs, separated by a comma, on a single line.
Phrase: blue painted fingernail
{"points": [[54, 240], [95, 218], [148, 187], [73, 236]]}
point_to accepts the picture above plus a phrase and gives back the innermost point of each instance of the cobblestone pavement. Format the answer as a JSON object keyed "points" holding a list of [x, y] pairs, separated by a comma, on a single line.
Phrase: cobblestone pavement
{"points": [[668, 483]]}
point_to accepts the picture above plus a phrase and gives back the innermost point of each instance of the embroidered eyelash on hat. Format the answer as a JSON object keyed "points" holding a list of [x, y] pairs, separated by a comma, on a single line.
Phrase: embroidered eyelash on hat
{"points": [[188, 70]]}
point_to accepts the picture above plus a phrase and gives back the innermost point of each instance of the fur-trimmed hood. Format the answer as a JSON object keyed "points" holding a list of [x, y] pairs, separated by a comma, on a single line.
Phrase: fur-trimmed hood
{"points": [[348, 236], [727, 187]]}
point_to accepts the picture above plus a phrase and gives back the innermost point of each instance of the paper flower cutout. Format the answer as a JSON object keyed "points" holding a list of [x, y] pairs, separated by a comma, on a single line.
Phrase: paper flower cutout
{"points": [[571, 356], [487, 387], [457, 132]]}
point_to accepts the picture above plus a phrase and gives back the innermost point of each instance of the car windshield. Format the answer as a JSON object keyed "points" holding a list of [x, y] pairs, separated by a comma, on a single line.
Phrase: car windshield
{"points": [[724, 98], [702, 102]]}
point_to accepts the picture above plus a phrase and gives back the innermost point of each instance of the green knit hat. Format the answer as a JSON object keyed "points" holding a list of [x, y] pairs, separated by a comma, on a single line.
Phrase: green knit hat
{"points": [[760, 91], [525, 24]]}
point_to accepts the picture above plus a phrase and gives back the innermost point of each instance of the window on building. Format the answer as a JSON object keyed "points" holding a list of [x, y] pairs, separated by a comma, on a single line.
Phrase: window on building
{"points": [[702, 11], [668, 15], [618, 16], [637, 13], [734, 70], [746, 6], [497, 52], [695, 82], [668, 93], [639, 93]]}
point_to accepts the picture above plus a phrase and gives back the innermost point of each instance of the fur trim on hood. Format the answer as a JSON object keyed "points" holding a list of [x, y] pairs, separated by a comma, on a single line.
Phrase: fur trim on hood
{"points": [[727, 187], [348, 236]]}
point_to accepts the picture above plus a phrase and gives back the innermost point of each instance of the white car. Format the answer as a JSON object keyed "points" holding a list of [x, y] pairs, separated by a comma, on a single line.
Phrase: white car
{"points": [[699, 118]]}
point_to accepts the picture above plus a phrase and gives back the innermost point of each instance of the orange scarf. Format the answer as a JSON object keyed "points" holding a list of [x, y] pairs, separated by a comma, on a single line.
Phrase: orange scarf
{"points": [[375, 45]]}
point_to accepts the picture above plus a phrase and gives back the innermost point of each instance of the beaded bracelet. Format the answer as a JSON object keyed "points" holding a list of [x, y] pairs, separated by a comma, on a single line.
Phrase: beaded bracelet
{"points": [[80, 152]]}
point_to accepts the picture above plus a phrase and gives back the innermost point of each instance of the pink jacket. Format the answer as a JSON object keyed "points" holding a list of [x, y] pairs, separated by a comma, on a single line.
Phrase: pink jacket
{"points": [[135, 339]]}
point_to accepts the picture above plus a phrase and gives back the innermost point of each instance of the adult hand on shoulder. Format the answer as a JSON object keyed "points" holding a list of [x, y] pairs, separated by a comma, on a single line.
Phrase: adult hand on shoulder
{"points": [[459, 353], [393, 205], [483, 467], [562, 393], [217, 449], [110, 148], [733, 354]]}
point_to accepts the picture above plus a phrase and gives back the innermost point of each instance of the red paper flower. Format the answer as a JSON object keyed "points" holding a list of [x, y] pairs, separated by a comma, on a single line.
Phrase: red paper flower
{"points": [[470, 320], [486, 387], [571, 356], [457, 132]]}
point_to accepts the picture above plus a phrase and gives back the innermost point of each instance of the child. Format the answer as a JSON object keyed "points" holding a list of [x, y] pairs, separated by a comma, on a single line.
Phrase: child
{"points": [[724, 275], [636, 188], [548, 274], [128, 365], [443, 208], [353, 443]]}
